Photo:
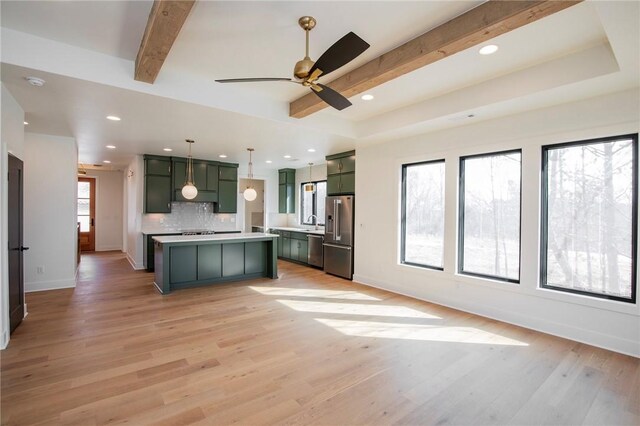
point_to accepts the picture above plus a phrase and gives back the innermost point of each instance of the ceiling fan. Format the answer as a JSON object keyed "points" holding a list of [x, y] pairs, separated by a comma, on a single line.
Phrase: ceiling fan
{"points": [[307, 72]]}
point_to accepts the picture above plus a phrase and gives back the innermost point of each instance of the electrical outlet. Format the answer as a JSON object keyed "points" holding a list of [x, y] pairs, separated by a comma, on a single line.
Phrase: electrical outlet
{"points": [[40, 270]]}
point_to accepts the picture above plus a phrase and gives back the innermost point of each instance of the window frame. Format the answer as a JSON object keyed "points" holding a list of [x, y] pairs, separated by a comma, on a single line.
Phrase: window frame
{"points": [[403, 214], [461, 188], [544, 217], [314, 206]]}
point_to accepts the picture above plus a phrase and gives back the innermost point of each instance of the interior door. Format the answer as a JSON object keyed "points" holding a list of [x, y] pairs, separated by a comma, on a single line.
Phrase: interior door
{"points": [[16, 249], [87, 213]]}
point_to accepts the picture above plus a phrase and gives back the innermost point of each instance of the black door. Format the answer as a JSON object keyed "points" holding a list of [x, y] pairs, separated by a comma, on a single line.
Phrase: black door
{"points": [[16, 249]]}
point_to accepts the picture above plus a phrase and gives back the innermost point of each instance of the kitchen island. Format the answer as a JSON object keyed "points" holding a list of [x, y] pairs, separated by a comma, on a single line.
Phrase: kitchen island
{"points": [[183, 261]]}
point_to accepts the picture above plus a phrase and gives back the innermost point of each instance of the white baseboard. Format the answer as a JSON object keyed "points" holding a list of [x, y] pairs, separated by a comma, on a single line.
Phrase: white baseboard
{"points": [[4, 340], [582, 335], [135, 265], [108, 248], [48, 285]]}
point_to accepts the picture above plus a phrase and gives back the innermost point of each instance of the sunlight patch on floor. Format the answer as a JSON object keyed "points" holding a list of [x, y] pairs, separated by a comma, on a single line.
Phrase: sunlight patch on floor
{"points": [[418, 332], [312, 292], [355, 309]]}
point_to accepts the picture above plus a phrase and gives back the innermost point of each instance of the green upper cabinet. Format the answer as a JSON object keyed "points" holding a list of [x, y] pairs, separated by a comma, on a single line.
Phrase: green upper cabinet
{"points": [[341, 173], [227, 188], [157, 184], [287, 191], [207, 185]]}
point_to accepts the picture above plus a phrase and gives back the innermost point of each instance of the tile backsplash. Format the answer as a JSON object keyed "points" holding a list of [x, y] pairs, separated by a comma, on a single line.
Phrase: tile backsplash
{"points": [[190, 216]]}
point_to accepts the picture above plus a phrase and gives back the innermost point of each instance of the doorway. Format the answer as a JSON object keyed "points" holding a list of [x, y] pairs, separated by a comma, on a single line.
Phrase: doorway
{"points": [[87, 213], [253, 210], [16, 247]]}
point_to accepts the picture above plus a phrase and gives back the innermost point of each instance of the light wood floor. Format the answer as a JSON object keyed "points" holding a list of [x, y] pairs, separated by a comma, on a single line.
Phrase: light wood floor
{"points": [[305, 349]]}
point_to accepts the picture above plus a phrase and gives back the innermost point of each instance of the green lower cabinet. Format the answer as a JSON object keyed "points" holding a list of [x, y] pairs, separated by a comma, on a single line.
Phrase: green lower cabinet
{"points": [[255, 258], [232, 260], [286, 247], [209, 262], [184, 260], [303, 251], [294, 249]]}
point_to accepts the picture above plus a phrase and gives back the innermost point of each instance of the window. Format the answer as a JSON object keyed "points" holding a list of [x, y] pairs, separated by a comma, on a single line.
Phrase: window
{"points": [[489, 216], [312, 203], [589, 217], [423, 214]]}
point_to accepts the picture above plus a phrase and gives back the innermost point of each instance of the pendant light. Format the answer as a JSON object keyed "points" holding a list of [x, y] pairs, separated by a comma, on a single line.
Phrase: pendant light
{"points": [[189, 190], [250, 194], [309, 187]]}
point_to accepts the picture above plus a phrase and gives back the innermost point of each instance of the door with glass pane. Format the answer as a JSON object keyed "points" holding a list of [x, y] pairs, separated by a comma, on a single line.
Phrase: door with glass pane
{"points": [[86, 213]]}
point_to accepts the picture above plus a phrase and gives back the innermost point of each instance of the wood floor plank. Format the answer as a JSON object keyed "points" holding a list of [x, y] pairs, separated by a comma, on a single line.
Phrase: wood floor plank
{"points": [[307, 348]]}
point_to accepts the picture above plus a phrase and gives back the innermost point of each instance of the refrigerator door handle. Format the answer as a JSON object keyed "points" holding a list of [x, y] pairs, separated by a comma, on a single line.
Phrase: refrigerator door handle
{"points": [[337, 219], [337, 246]]}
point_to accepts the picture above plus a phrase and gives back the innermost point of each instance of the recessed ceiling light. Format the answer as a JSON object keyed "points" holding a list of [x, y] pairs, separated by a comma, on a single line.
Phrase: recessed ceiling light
{"points": [[287, 156], [268, 161], [35, 81], [222, 156], [26, 123], [367, 97], [113, 118], [167, 149], [488, 49], [111, 146], [106, 161], [311, 150]]}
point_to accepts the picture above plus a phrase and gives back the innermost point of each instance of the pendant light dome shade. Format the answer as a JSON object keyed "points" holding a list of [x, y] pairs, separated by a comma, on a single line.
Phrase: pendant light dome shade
{"points": [[189, 190], [250, 194]]}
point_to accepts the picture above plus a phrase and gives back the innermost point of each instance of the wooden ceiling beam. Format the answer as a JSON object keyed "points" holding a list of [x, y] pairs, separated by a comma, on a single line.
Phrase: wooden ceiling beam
{"points": [[478, 25], [163, 26]]}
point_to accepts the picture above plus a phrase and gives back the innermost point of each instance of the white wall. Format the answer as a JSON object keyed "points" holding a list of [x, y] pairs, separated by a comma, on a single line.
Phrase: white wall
{"points": [[609, 324], [50, 194], [12, 140], [250, 207], [133, 193], [109, 209]]}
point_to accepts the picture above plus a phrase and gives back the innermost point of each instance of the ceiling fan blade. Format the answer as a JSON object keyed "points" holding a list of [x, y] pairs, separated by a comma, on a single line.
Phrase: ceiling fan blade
{"points": [[330, 96], [251, 80], [340, 53]]}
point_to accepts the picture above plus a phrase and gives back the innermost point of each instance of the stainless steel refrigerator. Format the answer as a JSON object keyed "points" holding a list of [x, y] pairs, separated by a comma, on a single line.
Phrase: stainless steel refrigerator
{"points": [[338, 236]]}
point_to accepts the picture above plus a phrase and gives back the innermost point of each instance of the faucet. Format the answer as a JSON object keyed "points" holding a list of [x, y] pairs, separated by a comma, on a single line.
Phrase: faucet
{"points": [[316, 222]]}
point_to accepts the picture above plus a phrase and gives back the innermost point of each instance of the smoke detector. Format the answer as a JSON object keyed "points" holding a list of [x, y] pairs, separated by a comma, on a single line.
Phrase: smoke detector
{"points": [[35, 81]]}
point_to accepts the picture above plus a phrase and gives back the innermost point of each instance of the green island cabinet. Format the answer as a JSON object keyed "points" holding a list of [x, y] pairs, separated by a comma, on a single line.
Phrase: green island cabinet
{"points": [[184, 264], [292, 245], [157, 184], [165, 176], [286, 191], [341, 173]]}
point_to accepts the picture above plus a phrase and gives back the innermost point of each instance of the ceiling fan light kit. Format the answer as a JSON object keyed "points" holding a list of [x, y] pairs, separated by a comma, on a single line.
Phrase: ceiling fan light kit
{"points": [[189, 190], [307, 72], [250, 193]]}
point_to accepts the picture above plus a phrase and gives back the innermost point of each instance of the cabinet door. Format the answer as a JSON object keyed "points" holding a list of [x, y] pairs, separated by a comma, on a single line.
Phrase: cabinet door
{"points": [[255, 257], [291, 198], [282, 198], [333, 166], [282, 178], [295, 248], [303, 251], [183, 266], [291, 177], [157, 191], [227, 173], [348, 164], [286, 247], [157, 166], [333, 184], [227, 197], [209, 261], [280, 246], [232, 259], [348, 183], [200, 175], [212, 177]]}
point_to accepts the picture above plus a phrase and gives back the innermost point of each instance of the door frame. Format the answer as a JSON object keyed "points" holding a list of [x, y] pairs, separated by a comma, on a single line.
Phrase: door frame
{"points": [[93, 182], [16, 315]]}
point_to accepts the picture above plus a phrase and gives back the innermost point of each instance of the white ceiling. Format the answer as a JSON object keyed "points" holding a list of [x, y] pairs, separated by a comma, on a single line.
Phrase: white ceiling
{"points": [[586, 50]]}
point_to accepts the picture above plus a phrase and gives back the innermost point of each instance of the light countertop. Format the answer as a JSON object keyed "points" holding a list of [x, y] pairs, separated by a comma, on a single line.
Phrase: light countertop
{"points": [[302, 230], [215, 237]]}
